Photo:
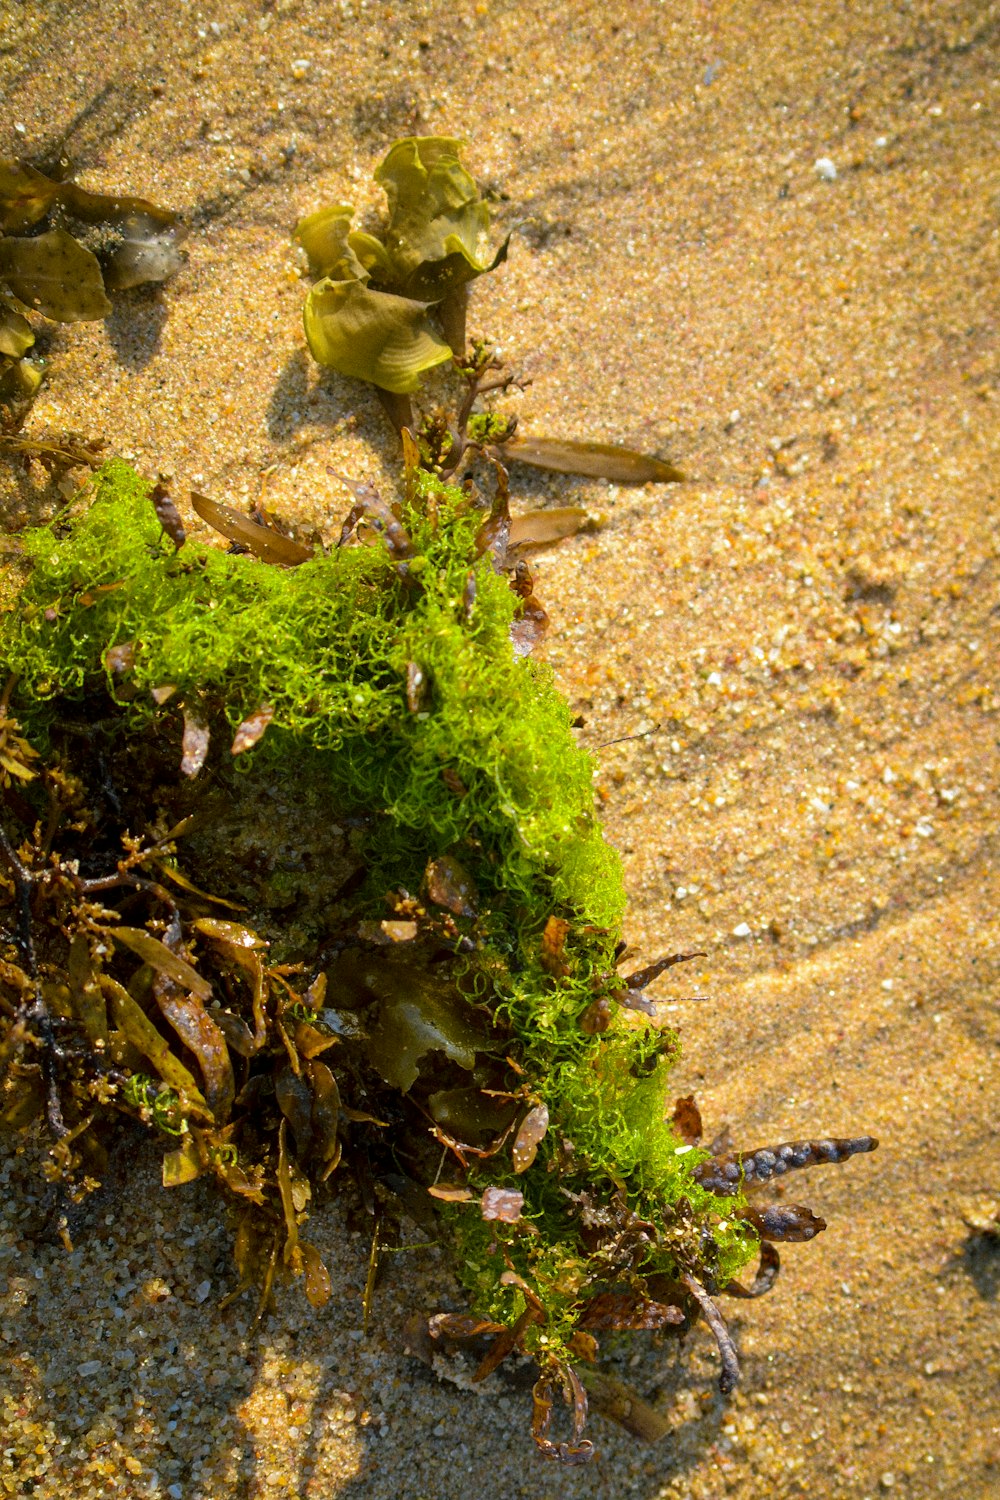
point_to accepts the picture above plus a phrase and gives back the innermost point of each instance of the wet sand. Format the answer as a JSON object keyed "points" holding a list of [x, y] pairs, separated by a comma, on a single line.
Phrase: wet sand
{"points": [[804, 635]]}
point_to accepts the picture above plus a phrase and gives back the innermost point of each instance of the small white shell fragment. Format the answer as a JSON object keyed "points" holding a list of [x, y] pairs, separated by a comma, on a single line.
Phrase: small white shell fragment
{"points": [[826, 168]]}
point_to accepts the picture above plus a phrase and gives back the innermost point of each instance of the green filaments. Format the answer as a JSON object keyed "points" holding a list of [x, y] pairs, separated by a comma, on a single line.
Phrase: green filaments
{"points": [[485, 751], [393, 686]]}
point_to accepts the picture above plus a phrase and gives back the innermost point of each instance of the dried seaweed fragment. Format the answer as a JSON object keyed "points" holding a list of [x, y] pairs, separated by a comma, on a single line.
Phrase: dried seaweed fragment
{"points": [[618, 1311], [579, 1450], [729, 1174], [764, 1279], [729, 1378], [262, 541], [593, 460], [80, 246]]}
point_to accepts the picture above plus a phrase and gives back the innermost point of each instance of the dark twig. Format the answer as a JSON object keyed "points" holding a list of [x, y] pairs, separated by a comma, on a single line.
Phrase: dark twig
{"points": [[729, 1378], [767, 1275]]}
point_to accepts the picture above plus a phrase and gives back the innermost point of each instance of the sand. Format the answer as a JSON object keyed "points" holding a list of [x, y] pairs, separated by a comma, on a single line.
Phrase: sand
{"points": [[804, 636]]}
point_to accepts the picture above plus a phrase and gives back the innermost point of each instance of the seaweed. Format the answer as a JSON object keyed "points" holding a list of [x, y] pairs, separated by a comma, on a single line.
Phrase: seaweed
{"points": [[62, 249], [390, 309], [300, 866], [176, 719]]}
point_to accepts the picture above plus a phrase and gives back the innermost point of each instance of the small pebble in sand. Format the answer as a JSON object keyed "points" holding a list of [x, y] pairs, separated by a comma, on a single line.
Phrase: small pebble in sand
{"points": [[826, 168]]}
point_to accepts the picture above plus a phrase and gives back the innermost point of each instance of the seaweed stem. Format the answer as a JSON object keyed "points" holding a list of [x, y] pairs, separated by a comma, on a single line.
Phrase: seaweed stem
{"points": [[729, 1378]]}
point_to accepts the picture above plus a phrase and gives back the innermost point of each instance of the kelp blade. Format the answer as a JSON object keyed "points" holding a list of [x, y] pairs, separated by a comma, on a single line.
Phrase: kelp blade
{"points": [[55, 275], [371, 335], [436, 216], [594, 460]]}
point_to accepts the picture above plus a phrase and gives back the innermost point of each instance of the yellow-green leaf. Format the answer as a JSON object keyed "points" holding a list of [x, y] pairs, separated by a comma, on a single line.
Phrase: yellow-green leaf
{"points": [[25, 196], [182, 1165], [324, 238], [435, 213], [16, 337], [372, 335], [88, 1002], [160, 958], [131, 1019]]}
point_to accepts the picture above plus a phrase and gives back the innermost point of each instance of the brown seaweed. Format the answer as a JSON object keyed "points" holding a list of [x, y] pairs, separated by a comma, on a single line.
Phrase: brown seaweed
{"points": [[61, 250], [745, 1169]]}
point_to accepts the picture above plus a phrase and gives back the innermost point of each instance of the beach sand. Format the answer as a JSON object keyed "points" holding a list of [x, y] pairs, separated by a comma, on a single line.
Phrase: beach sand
{"points": [[803, 636]]}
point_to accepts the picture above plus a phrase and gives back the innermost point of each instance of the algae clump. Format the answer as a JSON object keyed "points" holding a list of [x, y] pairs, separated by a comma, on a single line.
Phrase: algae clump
{"points": [[424, 964]]}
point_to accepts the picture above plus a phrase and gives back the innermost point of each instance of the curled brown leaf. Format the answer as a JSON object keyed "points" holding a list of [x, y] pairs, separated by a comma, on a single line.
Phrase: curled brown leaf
{"points": [[250, 731], [194, 744]]}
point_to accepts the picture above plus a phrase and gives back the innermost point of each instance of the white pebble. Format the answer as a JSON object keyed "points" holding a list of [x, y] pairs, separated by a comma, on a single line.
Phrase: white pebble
{"points": [[826, 168], [743, 930]]}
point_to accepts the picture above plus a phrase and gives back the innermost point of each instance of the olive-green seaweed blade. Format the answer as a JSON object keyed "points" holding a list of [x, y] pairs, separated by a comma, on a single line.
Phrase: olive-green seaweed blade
{"points": [[324, 237], [16, 337], [436, 217], [55, 275], [595, 460], [26, 196], [140, 249], [371, 335]]}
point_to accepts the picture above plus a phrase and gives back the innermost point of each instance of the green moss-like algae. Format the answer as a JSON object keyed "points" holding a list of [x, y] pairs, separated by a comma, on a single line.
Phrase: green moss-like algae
{"points": [[482, 763], [327, 646]]}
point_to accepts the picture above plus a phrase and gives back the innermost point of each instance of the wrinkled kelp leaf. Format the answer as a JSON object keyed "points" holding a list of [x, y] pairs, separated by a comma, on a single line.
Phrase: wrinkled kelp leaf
{"points": [[372, 335], [138, 242], [26, 195], [333, 249], [417, 1015], [380, 332], [436, 216], [16, 337]]}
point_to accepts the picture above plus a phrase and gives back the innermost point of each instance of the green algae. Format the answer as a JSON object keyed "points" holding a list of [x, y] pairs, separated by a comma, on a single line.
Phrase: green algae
{"points": [[473, 817], [327, 647]]}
